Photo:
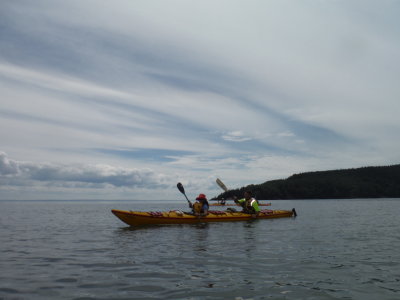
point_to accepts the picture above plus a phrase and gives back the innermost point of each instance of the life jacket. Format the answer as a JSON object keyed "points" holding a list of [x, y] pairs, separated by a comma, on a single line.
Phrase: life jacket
{"points": [[197, 207], [248, 205]]}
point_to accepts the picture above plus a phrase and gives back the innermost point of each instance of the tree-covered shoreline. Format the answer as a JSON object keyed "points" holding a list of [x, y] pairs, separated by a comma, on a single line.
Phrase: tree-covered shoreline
{"points": [[365, 182]]}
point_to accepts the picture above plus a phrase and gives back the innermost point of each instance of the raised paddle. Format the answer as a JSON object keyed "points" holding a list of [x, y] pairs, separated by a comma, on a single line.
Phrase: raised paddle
{"points": [[182, 190], [221, 184]]}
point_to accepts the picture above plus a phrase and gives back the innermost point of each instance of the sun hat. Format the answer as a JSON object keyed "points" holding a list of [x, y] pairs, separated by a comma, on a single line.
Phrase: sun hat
{"points": [[201, 197]]}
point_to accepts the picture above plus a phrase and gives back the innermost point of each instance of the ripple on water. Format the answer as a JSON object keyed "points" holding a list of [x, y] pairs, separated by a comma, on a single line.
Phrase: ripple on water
{"points": [[66, 280], [9, 290]]}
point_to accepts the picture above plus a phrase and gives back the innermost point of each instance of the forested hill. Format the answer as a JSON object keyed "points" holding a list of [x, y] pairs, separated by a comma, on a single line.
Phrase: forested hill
{"points": [[366, 182]]}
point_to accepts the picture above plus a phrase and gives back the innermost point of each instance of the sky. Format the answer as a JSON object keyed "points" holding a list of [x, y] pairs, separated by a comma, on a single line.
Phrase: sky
{"points": [[120, 100]]}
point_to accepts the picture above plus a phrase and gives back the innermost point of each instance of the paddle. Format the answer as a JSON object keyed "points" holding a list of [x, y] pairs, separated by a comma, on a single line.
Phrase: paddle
{"points": [[182, 190], [221, 184]]}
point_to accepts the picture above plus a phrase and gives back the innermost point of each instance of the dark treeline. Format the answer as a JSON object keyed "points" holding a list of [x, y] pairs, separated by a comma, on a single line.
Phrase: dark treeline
{"points": [[366, 182]]}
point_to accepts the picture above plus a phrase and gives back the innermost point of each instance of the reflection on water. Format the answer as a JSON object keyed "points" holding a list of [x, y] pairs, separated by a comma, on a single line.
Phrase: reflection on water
{"points": [[200, 238]]}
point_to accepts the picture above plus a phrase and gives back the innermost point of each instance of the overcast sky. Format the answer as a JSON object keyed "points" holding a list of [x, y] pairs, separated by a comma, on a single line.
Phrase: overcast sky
{"points": [[123, 99]]}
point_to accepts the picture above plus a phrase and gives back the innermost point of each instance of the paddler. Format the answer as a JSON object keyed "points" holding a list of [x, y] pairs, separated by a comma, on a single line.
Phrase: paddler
{"points": [[249, 204], [200, 208]]}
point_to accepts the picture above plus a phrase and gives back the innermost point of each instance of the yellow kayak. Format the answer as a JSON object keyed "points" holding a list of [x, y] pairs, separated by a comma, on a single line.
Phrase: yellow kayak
{"points": [[137, 218]]}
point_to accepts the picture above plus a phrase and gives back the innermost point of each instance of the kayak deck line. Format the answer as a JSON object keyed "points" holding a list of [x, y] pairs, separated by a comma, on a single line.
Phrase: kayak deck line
{"points": [[234, 204], [137, 218]]}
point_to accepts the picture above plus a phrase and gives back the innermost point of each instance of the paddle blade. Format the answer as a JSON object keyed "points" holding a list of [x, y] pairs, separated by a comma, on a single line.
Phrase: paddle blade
{"points": [[221, 184], [180, 188]]}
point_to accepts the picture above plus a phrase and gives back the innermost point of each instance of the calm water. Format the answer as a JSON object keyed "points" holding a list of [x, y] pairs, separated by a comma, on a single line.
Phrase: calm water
{"points": [[334, 249]]}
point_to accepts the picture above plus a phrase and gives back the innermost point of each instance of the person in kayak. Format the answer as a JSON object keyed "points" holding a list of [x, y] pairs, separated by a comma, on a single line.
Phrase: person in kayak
{"points": [[200, 208], [249, 204], [221, 202]]}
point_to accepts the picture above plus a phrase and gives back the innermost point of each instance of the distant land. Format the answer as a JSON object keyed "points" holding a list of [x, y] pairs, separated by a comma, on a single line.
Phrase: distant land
{"points": [[365, 182]]}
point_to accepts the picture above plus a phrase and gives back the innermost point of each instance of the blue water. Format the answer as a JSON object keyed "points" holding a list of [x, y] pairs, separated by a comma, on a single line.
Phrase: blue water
{"points": [[334, 249]]}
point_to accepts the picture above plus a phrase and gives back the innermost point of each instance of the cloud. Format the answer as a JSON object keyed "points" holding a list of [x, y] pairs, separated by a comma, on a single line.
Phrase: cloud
{"points": [[7, 167], [235, 136], [194, 90], [57, 83], [96, 176]]}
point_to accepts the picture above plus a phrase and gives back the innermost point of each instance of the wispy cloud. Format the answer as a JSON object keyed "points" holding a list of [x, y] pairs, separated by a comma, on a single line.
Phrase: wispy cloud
{"points": [[235, 136], [138, 95]]}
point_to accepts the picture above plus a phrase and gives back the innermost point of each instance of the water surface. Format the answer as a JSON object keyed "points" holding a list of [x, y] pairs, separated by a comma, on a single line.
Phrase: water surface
{"points": [[334, 249]]}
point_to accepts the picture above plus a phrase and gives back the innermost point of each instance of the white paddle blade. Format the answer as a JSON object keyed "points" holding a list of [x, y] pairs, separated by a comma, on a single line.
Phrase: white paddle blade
{"points": [[221, 184]]}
